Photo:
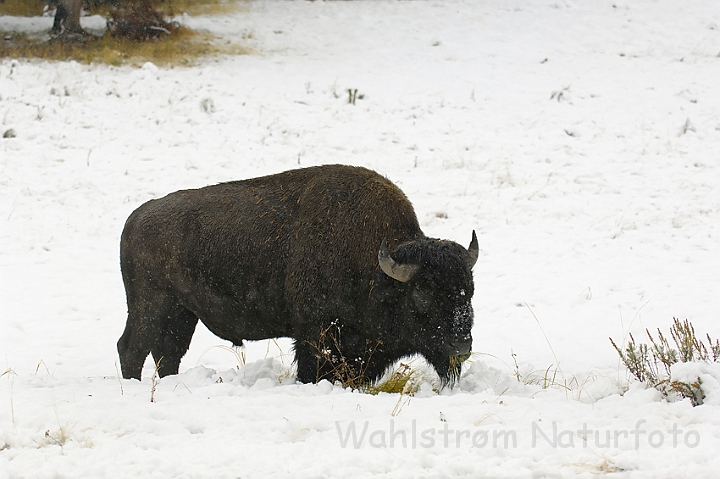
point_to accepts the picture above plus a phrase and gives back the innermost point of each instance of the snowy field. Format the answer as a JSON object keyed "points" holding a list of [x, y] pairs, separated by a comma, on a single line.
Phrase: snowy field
{"points": [[580, 139]]}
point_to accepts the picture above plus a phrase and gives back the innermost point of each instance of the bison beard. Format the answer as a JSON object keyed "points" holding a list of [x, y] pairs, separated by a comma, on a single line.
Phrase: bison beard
{"points": [[294, 254]]}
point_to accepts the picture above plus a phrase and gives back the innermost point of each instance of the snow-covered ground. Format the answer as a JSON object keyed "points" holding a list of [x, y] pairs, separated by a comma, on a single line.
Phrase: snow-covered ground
{"points": [[580, 139]]}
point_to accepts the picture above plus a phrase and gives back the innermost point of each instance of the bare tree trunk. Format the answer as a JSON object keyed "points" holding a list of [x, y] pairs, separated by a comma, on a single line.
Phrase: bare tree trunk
{"points": [[60, 16], [67, 17]]}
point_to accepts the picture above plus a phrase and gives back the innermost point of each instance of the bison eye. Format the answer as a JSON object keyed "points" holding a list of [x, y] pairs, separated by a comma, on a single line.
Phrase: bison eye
{"points": [[422, 300]]}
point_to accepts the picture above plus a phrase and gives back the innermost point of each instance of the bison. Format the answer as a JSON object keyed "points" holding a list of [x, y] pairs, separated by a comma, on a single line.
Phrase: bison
{"points": [[296, 254]]}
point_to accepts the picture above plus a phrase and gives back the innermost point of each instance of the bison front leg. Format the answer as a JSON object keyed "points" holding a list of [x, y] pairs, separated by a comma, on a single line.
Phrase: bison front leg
{"points": [[313, 361]]}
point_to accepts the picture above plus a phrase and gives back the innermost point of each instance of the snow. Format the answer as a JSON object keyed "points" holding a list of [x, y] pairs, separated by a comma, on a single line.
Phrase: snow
{"points": [[579, 139]]}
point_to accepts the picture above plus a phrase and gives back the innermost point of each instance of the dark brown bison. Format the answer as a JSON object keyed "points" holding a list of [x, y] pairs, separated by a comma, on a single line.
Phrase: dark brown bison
{"points": [[296, 254]]}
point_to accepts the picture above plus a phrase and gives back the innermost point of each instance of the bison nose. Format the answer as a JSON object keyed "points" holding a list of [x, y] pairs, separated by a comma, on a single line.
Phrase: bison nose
{"points": [[460, 346]]}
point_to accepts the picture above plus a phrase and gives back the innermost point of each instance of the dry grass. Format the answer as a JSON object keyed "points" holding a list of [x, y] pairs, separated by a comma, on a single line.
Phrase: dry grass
{"points": [[33, 8], [403, 380], [334, 366], [199, 7], [605, 466], [173, 8], [22, 8], [184, 47]]}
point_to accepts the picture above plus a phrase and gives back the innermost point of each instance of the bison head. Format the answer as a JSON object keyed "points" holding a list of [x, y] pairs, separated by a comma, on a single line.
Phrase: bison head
{"points": [[435, 284]]}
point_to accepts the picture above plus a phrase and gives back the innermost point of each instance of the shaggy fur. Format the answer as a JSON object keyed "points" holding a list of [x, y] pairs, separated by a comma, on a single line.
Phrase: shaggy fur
{"points": [[291, 255]]}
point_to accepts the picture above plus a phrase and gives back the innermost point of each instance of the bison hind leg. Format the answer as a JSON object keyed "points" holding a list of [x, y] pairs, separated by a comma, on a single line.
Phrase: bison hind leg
{"points": [[174, 342]]}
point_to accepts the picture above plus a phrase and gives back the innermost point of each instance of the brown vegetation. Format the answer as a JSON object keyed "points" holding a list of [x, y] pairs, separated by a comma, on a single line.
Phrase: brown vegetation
{"points": [[140, 21], [137, 32], [22, 8], [184, 47], [34, 8]]}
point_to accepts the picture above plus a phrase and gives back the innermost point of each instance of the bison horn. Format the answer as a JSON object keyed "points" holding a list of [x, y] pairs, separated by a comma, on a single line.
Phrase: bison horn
{"points": [[474, 250], [400, 272]]}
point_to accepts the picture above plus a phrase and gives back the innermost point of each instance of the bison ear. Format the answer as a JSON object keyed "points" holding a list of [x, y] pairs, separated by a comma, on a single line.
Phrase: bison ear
{"points": [[474, 250], [400, 272]]}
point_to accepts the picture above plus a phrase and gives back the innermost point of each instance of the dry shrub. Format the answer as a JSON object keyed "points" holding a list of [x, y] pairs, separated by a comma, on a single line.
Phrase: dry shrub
{"points": [[652, 363], [139, 21]]}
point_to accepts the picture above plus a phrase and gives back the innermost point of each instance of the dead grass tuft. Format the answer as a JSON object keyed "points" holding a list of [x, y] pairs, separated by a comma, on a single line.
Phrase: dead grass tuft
{"points": [[404, 380]]}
